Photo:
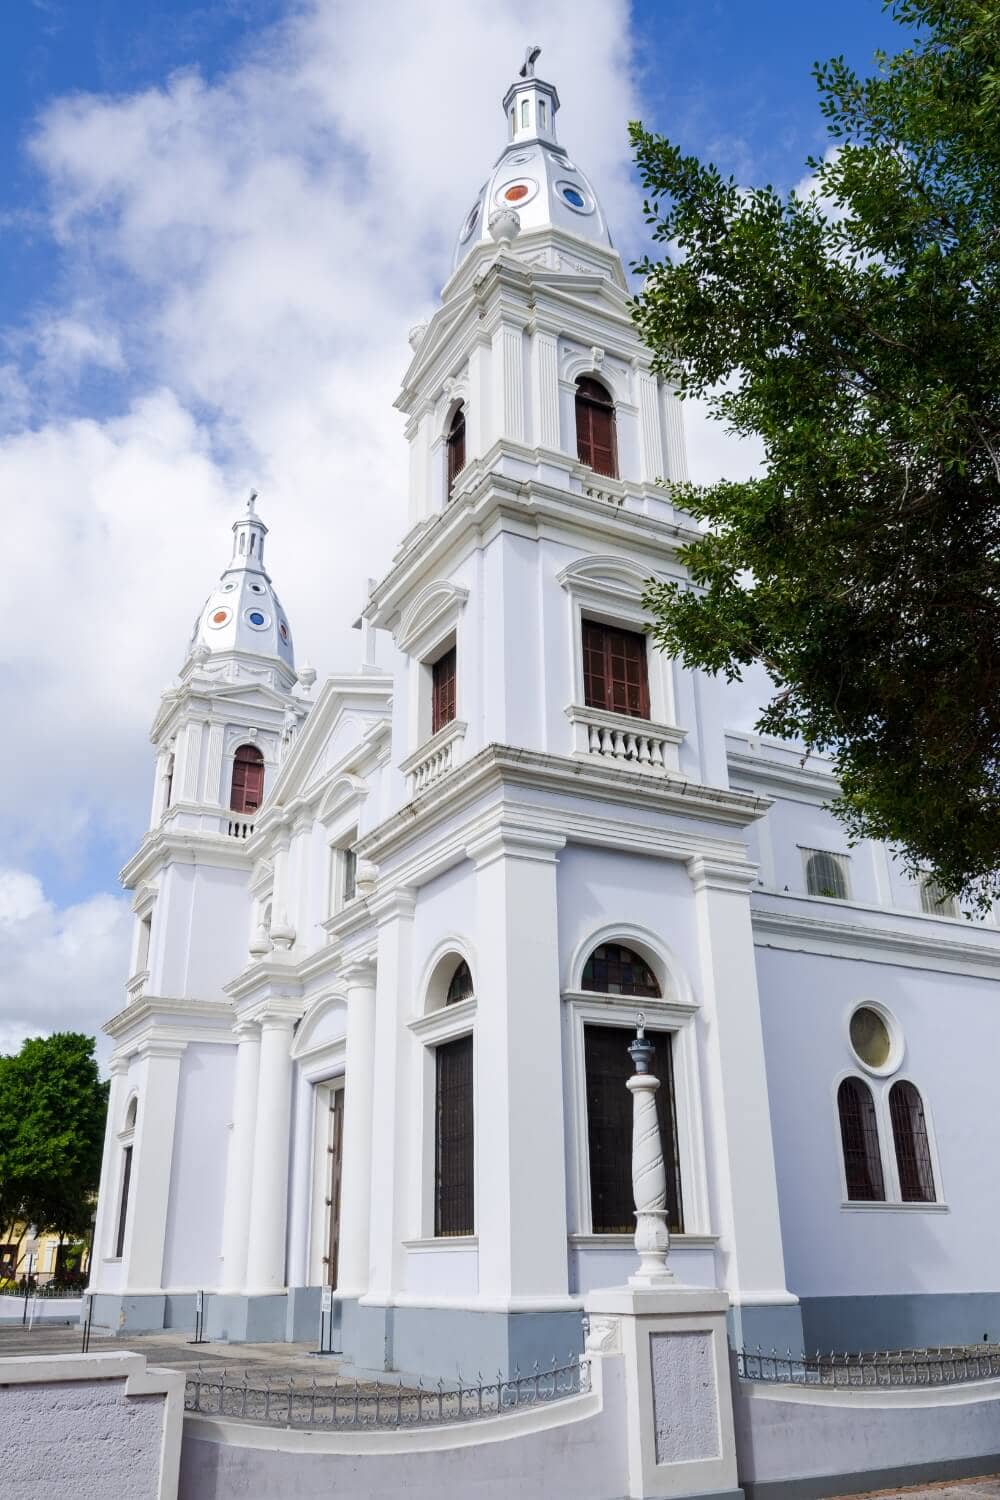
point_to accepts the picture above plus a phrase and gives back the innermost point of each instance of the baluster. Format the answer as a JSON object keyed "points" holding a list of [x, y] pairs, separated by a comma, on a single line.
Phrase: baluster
{"points": [[644, 755]]}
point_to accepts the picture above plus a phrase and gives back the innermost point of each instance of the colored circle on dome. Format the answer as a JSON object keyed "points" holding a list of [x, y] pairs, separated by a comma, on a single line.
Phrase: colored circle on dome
{"points": [[227, 588], [572, 196], [283, 630], [471, 222], [519, 190], [256, 618], [257, 588], [220, 617]]}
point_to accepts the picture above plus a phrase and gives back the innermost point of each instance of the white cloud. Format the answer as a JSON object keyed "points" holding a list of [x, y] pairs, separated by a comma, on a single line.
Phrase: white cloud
{"points": [[246, 256], [62, 970]]}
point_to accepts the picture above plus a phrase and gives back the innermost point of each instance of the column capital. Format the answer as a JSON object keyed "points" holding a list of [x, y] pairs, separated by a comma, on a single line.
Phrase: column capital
{"points": [[117, 1066], [277, 1015], [514, 841], [359, 973], [159, 1047], [393, 905], [738, 876], [246, 1030]]}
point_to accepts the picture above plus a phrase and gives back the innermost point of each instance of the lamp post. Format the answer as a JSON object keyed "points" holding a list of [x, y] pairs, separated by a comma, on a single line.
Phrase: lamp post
{"points": [[649, 1177]]}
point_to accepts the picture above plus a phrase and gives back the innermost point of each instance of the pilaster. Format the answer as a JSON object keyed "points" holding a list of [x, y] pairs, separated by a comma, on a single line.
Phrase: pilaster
{"points": [[745, 1182], [545, 353], [653, 467], [359, 1101], [269, 1192], [520, 1131], [106, 1205], [153, 1156], [239, 1170]]}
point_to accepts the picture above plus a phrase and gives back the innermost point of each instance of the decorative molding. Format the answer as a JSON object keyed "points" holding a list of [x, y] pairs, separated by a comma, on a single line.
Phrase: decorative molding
{"points": [[722, 875], [511, 840], [446, 1022], [435, 607], [817, 934]]}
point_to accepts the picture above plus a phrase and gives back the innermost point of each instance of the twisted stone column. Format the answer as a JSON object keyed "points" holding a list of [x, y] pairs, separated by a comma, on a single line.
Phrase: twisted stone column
{"points": [[649, 1177]]}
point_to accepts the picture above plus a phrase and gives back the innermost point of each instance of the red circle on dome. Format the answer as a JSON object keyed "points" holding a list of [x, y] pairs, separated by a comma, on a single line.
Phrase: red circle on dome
{"points": [[516, 193], [220, 617]]}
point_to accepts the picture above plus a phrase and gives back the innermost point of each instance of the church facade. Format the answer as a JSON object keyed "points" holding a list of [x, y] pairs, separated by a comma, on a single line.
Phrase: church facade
{"points": [[392, 934]]}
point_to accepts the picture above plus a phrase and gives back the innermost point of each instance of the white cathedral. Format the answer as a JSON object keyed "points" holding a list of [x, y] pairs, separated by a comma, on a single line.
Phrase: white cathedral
{"points": [[391, 937]]}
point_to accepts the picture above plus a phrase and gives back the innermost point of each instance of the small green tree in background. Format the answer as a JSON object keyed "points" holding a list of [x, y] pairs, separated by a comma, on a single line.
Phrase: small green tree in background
{"points": [[856, 331], [52, 1111]]}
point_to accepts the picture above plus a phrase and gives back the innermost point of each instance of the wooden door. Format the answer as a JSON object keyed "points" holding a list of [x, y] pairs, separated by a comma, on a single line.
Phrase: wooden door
{"points": [[335, 1171]]}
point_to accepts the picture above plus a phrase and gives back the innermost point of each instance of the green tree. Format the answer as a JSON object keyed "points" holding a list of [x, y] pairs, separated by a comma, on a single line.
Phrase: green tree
{"points": [[52, 1110], [855, 330]]}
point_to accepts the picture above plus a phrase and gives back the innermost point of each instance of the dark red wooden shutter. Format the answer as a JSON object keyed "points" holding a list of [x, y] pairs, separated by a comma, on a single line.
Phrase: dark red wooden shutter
{"points": [[444, 695], [614, 670], [596, 439], [913, 1151], [609, 1127], [859, 1138], [454, 1156], [456, 448], [247, 791]]}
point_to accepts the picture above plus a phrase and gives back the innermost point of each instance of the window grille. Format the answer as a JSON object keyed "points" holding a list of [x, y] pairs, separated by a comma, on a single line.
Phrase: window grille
{"points": [[826, 875], [350, 874], [456, 448], [454, 1157], [913, 1150], [935, 901], [123, 1204], [615, 675], [444, 675], [596, 438], [460, 987], [248, 780], [859, 1138], [615, 970], [609, 1127]]}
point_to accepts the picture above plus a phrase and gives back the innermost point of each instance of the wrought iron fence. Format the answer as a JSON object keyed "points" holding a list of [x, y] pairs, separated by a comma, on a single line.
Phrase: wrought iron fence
{"points": [[377, 1404], [877, 1368]]}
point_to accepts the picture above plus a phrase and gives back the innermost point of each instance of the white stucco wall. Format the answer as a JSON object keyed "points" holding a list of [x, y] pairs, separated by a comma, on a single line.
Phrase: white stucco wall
{"points": [[193, 1246]]}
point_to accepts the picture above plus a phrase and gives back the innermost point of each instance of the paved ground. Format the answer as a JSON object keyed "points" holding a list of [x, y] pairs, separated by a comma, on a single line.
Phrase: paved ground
{"points": [[987, 1488]]}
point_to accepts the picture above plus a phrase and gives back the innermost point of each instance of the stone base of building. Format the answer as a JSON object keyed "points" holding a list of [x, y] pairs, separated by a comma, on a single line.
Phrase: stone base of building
{"points": [[771, 1325], [904, 1321]]}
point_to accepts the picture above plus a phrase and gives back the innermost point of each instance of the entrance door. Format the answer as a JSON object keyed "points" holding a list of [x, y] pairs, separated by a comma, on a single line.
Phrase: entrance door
{"points": [[336, 1162]]}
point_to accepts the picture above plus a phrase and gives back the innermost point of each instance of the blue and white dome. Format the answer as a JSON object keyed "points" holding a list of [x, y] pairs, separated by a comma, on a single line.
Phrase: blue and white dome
{"points": [[243, 612], [534, 175]]}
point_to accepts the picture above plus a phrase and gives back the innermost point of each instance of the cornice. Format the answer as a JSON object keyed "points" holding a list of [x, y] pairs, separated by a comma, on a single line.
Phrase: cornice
{"points": [[157, 1012], [809, 932], [499, 766], [721, 875], [529, 507], [800, 783], [511, 840], [271, 970], [189, 848]]}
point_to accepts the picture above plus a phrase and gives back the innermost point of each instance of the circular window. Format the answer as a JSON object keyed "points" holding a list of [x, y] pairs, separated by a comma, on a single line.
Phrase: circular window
{"points": [[283, 631], [470, 223], [257, 588], [220, 617], [257, 618], [575, 197], [521, 190], [227, 588], [873, 1040]]}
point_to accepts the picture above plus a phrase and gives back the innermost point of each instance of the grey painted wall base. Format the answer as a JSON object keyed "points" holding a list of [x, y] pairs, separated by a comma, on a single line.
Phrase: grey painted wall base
{"points": [[873, 1479], [124, 1314], [907, 1321], [230, 1317], [770, 1327], [441, 1343], [302, 1315]]}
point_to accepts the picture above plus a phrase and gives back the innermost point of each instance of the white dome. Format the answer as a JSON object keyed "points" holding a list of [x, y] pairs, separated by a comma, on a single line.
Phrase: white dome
{"points": [[243, 612], [534, 175]]}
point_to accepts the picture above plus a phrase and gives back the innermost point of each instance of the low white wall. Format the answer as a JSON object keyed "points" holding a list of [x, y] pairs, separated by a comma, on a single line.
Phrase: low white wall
{"points": [[805, 1442], [95, 1425], [575, 1446], [40, 1309]]}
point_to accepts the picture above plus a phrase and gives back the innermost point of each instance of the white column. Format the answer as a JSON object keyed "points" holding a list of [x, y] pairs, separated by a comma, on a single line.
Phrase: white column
{"points": [[106, 1201], [508, 360], [677, 465], [187, 769], [282, 931], [213, 766], [653, 467], [359, 1099], [269, 1192], [152, 1160], [519, 1110], [239, 1171], [392, 1123], [739, 1116], [160, 787]]}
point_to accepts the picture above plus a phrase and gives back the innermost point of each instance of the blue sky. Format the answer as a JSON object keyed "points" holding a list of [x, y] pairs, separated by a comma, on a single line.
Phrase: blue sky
{"points": [[217, 222]]}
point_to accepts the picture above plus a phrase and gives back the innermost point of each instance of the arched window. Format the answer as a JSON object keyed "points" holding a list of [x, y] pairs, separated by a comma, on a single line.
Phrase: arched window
{"points": [[913, 1150], [859, 1138], [460, 987], [248, 780], [456, 447], [936, 901], [169, 789], [825, 875], [596, 440], [125, 1180], [131, 1114], [615, 970]]}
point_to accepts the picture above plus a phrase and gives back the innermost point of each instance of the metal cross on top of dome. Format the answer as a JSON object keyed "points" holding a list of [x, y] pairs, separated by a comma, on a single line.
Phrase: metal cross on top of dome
{"points": [[531, 56]]}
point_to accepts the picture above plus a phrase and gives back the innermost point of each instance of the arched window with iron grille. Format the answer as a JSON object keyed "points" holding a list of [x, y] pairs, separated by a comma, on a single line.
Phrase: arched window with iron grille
{"points": [[859, 1139], [825, 875], [613, 969], [460, 987], [596, 436], [247, 792], [913, 1148]]}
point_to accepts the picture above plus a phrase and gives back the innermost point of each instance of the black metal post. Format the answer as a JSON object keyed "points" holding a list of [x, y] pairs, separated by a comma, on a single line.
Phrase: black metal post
{"points": [[199, 1319]]}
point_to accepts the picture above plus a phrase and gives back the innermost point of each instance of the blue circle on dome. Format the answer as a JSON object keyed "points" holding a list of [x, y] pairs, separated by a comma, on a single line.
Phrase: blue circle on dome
{"points": [[572, 196], [256, 618]]}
